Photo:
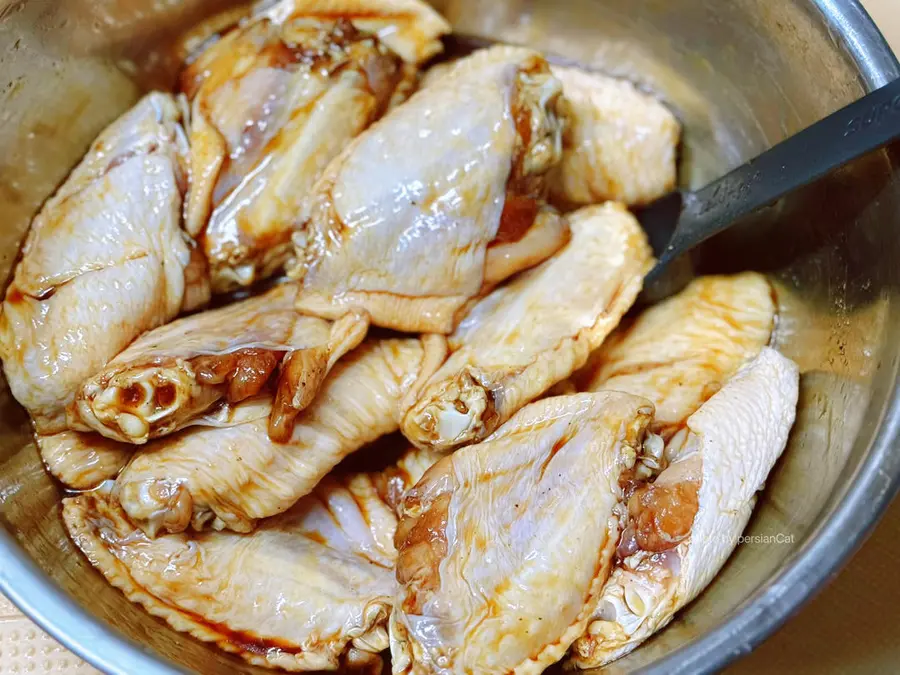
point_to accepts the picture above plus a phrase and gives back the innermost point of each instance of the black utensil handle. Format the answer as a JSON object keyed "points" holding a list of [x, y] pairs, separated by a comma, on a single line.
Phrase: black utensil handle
{"points": [[861, 127]]}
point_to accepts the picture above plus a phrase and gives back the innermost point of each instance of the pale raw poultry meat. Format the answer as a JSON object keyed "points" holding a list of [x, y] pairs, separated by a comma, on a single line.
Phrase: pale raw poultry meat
{"points": [[273, 101], [393, 482], [524, 337], [105, 260], [231, 476], [504, 547], [171, 376], [683, 350], [440, 200], [534, 476], [82, 461], [311, 589], [682, 527], [620, 144]]}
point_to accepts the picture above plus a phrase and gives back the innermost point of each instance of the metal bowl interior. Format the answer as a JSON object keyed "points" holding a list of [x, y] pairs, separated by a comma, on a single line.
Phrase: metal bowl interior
{"points": [[741, 75]]}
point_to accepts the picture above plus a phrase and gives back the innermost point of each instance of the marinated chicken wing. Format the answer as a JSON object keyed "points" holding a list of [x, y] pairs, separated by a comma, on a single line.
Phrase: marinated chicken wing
{"points": [[439, 200], [228, 477], [393, 482], [436, 72], [525, 336], [621, 144], [503, 547], [681, 351], [311, 589], [82, 461], [683, 526], [172, 375], [273, 101], [105, 260]]}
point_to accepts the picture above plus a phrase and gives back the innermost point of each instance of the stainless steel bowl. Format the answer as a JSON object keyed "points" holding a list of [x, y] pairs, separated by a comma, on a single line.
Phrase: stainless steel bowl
{"points": [[742, 75]]}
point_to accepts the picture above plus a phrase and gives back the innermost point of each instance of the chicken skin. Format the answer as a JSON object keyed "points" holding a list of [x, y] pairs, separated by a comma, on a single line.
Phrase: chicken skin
{"points": [[683, 350], [230, 476], [528, 335], [332, 349], [309, 590], [440, 200], [621, 144], [104, 261], [683, 526], [82, 461], [273, 101], [173, 375], [499, 567]]}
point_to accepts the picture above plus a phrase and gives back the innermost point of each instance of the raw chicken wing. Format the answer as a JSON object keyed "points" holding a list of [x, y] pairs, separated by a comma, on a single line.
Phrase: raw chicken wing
{"points": [[273, 101], [104, 261], [683, 526], [503, 547], [172, 375], [438, 201], [82, 461], [393, 482], [228, 477], [526, 336], [681, 351], [311, 589], [621, 143]]}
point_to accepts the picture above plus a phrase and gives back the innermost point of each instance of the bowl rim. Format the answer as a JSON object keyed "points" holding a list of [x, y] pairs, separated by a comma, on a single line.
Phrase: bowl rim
{"points": [[843, 526], [851, 515]]}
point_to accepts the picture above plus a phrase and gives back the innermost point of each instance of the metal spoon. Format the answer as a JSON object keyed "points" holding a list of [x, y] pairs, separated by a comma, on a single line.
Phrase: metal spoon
{"points": [[679, 221]]}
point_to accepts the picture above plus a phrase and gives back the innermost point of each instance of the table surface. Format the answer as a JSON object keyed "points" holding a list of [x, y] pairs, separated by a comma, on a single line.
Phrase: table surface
{"points": [[853, 625]]}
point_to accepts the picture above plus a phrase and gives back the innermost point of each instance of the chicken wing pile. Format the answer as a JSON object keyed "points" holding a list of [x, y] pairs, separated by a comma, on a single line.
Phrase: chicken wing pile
{"points": [[442, 252]]}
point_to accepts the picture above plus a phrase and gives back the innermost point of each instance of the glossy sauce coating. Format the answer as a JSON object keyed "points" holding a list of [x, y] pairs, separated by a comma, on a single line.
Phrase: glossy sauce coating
{"points": [[498, 570], [404, 234], [682, 351], [273, 101], [684, 525], [105, 260], [525, 336], [231, 475], [172, 376], [309, 590]]}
